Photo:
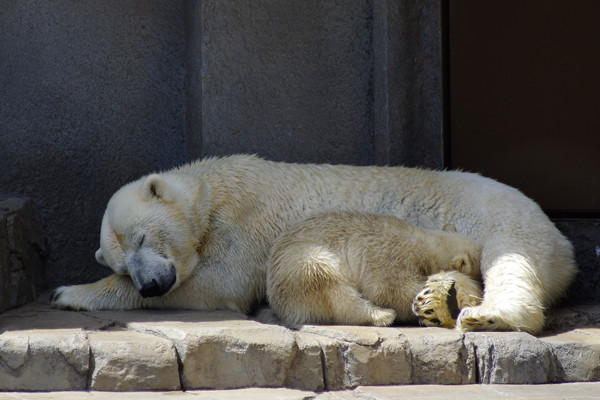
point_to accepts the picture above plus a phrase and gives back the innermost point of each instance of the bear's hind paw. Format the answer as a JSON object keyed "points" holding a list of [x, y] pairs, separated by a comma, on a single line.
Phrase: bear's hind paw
{"points": [[479, 319]]}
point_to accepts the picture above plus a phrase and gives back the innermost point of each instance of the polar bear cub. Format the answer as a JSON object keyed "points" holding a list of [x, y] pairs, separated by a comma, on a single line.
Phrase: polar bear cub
{"points": [[356, 268]]}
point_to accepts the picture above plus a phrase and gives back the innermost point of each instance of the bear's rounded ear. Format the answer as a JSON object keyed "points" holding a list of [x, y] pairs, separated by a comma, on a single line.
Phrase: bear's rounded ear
{"points": [[100, 258], [154, 187]]}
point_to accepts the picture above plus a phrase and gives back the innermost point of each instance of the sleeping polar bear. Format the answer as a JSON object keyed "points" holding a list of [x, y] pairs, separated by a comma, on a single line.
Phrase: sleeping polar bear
{"points": [[199, 236], [345, 267]]}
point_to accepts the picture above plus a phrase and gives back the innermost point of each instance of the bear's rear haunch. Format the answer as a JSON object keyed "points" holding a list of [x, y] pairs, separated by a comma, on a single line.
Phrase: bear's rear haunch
{"points": [[199, 236]]}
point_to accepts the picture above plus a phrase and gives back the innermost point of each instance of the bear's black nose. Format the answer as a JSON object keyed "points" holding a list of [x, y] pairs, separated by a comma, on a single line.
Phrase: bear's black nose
{"points": [[158, 284], [151, 289]]}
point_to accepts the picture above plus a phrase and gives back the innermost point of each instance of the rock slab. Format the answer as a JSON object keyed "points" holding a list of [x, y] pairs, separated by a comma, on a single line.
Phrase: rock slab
{"points": [[45, 349], [123, 360]]}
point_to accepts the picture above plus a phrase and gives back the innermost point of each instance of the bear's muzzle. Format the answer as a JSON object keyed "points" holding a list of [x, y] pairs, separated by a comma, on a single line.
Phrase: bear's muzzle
{"points": [[156, 288], [152, 275]]}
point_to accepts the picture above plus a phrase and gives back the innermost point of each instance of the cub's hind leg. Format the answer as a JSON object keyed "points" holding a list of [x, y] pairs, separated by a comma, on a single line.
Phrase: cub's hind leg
{"points": [[307, 285], [443, 296]]}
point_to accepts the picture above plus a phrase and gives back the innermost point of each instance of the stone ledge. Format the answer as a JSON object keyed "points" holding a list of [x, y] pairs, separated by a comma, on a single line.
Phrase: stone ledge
{"points": [[46, 349], [405, 392]]}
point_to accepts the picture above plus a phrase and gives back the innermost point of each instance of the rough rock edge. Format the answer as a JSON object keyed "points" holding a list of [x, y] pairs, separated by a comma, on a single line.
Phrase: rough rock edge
{"points": [[475, 357]]}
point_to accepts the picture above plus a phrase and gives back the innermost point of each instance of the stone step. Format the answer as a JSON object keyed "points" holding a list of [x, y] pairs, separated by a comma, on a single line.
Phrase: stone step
{"points": [[405, 392], [46, 349]]}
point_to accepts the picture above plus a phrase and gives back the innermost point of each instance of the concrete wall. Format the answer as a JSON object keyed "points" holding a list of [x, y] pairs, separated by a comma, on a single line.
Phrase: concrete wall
{"points": [[95, 94], [352, 81], [91, 96]]}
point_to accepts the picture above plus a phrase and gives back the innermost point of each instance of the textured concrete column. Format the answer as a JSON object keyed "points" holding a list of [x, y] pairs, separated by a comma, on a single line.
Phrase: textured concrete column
{"points": [[354, 82], [407, 83], [289, 80]]}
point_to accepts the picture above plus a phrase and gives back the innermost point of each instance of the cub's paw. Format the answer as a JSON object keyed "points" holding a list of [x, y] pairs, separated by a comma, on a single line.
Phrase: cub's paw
{"points": [[480, 319], [382, 316], [442, 298]]}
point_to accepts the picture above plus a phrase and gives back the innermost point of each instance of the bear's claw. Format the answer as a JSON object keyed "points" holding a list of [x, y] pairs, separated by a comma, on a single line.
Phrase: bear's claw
{"points": [[60, 298], [55, 295]]}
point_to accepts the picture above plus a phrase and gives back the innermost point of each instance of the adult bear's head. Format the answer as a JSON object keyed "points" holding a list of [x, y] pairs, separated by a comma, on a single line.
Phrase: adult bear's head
{"points": [[152, 230]]}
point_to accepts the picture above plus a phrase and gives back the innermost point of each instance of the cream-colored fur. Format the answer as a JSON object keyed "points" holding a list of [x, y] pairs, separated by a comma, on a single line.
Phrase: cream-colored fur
{"points": [[199, 236], [356, 268]]}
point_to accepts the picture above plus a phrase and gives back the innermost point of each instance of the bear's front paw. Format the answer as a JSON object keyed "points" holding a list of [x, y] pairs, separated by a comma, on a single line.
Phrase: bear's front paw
{"points": [[67, 298], [443, 296], [436, 304]]}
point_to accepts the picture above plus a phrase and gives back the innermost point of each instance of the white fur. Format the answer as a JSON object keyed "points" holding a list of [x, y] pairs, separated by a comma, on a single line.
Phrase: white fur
{"points": [[217, 219]]}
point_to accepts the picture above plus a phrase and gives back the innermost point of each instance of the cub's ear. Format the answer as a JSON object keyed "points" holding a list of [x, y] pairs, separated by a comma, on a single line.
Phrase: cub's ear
{"points": [[154, 187], [463, 263]]}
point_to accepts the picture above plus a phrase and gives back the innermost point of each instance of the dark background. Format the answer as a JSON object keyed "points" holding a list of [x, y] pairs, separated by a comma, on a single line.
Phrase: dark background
{"points": [[96, 94], [525, 97]]}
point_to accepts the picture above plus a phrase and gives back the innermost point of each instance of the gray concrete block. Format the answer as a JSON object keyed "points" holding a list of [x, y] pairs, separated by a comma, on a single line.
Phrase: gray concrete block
{"points": [[513, 358], [575, 354]]}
